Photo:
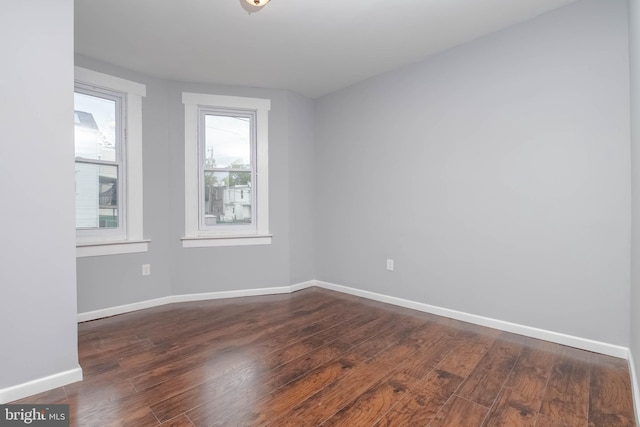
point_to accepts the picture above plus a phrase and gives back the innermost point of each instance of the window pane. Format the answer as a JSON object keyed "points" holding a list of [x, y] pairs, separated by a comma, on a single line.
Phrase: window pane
{"points": [[96, 196], [227, 142], [227, 198], [95, 127]]}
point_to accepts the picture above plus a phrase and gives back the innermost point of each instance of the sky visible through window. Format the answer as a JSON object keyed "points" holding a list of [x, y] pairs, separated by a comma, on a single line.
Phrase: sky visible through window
{"points": [[103, 112], [228, 140]]}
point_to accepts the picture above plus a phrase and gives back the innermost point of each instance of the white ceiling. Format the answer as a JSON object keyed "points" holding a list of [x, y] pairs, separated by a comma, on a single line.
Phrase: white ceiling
{"points": [[312, 47]]}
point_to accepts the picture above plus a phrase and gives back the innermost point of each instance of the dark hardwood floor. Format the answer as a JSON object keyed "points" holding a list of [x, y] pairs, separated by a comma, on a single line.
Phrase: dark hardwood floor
{"points": [[317, 357]]}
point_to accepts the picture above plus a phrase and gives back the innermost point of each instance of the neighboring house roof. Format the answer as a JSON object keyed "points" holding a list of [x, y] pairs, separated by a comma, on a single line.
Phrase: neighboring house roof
{"points": [[85, 120]]}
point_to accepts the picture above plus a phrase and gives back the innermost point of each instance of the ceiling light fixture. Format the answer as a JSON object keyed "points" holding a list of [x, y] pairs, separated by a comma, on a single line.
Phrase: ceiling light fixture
{"points": [[258, 3]]}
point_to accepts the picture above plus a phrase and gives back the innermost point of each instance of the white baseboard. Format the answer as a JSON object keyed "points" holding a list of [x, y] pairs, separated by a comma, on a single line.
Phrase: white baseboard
{"points": [[40, 385], [234, 294], [303, 285], [569, 340], [120, 309], [112, 311], [635, 391], [556, 337]]}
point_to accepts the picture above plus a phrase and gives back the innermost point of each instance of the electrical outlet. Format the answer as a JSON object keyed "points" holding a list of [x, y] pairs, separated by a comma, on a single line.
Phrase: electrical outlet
{"points": [[146, 269], [389, 265]]}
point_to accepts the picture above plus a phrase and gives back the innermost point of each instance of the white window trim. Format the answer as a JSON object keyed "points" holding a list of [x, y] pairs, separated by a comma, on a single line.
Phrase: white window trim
{"points": [[133, 242], [194, 237]]}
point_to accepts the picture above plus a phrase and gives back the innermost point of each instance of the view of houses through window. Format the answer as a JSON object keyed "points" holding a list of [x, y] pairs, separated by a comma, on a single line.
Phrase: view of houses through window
{"points": [[227, 169], [97, 157]]}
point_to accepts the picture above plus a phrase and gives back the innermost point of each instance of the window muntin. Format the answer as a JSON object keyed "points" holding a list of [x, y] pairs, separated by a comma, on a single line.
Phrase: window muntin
{"points": [[227, 141], [99, 119]]}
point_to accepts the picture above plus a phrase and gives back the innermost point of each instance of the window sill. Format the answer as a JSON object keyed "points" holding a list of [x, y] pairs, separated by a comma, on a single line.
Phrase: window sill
{"points": [[231, 240], [111, 248]]}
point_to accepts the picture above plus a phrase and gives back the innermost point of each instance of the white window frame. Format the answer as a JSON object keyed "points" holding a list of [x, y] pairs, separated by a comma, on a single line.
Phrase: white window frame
{"points": [[119, 232], [195, 104], [129, 239], [232, 229]]}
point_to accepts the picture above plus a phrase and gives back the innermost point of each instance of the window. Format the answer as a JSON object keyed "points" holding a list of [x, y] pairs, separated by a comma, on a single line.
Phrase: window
{"points": [[227, 143], [108, 163], [99, 123], [226, 170]]}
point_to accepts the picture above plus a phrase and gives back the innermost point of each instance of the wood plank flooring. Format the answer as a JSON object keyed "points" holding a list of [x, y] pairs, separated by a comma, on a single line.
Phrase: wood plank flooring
{"points": [[317, 357]]}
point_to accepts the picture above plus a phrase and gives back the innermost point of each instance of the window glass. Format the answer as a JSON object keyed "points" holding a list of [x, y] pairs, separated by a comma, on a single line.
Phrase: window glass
{"points": [[98, 169], [95, 127], [227, 142], [96, 196], [227, 198], [227, 169]]}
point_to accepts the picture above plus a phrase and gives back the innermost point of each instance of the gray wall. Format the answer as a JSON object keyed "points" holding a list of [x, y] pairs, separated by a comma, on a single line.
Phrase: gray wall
{"points": [[116, 280], [634, 50], [37, 237], [496, 175], [301, 188]]}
